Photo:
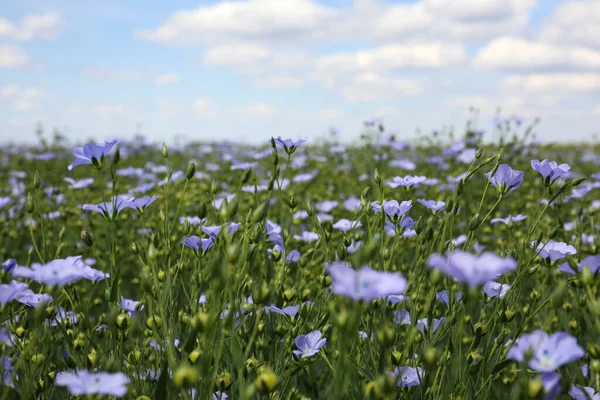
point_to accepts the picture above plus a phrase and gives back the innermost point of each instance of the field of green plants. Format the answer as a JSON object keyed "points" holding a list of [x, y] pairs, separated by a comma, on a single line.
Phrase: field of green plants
{"points": [[442, 269]]}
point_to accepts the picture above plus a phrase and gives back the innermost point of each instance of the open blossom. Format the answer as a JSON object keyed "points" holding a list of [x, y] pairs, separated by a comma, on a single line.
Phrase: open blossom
{"points": [[471, 269], [195, 243], [505, 179], [60, 272], [553, 250], [392, 208], [345, 225], [409, 376], [433, 205], [89, 152], [289, 145], [509, 219], [366, 283], [494, 289], [550, 170], [309, 344], [583, 393], [11, 292], [548, 352], [592, 262], [407, 181], [83, 382]]}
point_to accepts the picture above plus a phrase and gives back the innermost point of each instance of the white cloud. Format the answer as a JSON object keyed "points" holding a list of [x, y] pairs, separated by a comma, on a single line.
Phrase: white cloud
{"points": [[204, 109], [43, 26], [370, 86], [393, 57], [260, 109], [166, 79], [575, 23], [242, 20], [520, 54], [477, 10], [110, 73], [277, 81], [236, 55], [561, 82], [20, 99], [12, 56]]}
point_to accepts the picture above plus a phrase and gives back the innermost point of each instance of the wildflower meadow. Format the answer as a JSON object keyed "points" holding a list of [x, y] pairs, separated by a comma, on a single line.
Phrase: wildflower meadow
{"points": [[301, 269]]}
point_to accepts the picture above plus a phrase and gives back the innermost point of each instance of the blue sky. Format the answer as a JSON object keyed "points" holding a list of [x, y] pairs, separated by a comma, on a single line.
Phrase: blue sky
{"points": [[248, 70]]}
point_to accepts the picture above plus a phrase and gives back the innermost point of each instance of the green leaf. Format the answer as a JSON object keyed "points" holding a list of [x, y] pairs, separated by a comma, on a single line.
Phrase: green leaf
{"points": [[500, 366], [160, 392]]}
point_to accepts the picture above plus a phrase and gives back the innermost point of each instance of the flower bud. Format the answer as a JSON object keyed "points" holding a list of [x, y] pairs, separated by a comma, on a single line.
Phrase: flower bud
{"points": [[266, 382], [377, 177], [29, 206], [36, 180], [194, 355], [87, 238], [190, 171], [165, 152], [223, 381], [535, 388], [185, 376]]}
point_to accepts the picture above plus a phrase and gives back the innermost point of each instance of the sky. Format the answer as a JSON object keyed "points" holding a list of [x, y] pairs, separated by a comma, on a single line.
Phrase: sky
{"points": [[247, 70]]}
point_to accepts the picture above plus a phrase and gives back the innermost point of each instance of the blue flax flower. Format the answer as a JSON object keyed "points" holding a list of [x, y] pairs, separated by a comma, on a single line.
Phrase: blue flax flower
{"points": [[60, 272], [583, 393], [11, 292], [471, 269], [91, 154], [309, 344], [366, 283], [553, 250], [85, 383], [592, 262], [433, 205], [110, 209], [550, 170], [545, 353], [510, 219], [407, 181], [289, 145], [197, 244], [409, 376], [505, 179]]}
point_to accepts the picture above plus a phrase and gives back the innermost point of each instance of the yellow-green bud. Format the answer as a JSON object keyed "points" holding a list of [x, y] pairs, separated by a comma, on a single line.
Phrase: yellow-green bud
{"points": [[185, 376]]}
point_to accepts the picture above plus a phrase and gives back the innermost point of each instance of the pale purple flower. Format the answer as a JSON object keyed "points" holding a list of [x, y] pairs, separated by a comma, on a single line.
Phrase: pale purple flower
{"points": [[305, 177], [494, 289], [83, 382], [352, 204], [423, 324], [60, 272], [307, 236], [130, 306], [409, 376], [550, 170], [81, 184], [366, 283], [548, 352], [9, 265], [246, 165], [402, 317], [326, 206], [28, 297], [110, 209], [553, 250], [89, 152], [403, 164], [470, 269], [392, 208], [290, 311], [195, 243], [443, 297], [509, 219], [407, 181], [505, 179], [467, 156], [12, 291], [309, 344], [293, 256], [345, 225], [433, 205], [592, 262], [63, 316], [289, 145], [583, 393], [142, 203]]}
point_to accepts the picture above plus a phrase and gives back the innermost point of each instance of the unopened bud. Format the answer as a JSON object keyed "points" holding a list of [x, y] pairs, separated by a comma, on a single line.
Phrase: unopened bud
{"points": [[190, 171]]}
